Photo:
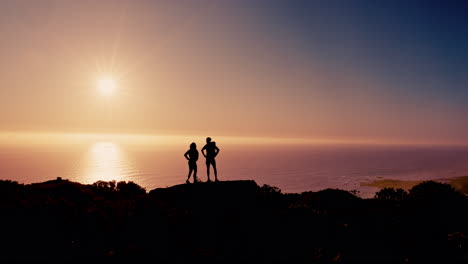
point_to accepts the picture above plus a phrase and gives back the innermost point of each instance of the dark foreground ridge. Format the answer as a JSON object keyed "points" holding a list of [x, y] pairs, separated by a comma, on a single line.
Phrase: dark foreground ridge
{"points": [[61, 221]]}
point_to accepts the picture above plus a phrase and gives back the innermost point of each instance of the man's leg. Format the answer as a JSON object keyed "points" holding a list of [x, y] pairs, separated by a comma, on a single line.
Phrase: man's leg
{"points": [[208, 170], [215, 170]]}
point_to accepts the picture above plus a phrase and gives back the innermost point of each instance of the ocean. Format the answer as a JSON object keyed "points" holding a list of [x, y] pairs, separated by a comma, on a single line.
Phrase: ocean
{"points": [[290, 167]]}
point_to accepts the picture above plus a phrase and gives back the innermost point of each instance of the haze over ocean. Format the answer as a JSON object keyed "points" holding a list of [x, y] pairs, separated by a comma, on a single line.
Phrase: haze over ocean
{"points": [[291, 167]]}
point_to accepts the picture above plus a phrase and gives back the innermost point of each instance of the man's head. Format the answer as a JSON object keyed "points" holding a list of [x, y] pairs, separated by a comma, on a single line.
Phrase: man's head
{"points": [[208, 140]]}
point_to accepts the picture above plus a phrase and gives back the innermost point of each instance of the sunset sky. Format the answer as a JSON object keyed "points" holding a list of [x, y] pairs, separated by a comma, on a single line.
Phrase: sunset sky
{"points": [[353, 70]]}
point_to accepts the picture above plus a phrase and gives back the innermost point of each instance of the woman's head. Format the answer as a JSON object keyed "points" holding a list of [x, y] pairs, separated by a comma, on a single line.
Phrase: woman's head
{"points": [[193, 145]]}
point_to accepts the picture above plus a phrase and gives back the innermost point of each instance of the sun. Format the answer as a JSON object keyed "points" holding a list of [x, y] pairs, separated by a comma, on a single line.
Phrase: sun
{"points": [[107, 85]]}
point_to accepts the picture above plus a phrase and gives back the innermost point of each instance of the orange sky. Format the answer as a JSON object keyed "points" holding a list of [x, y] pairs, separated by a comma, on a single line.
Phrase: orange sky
{"points": [[184, 70]]}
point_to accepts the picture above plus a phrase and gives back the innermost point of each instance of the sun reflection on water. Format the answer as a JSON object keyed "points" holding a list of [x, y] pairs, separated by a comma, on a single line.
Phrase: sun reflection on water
{"points": [[106, 161]]}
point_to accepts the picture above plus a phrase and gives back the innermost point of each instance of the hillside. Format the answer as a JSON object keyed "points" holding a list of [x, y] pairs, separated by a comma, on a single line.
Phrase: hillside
{"points": [[233, 221]]}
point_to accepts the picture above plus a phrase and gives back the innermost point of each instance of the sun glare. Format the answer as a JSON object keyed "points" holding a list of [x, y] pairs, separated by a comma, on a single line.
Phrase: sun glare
{"points": [[105, 161], [107, 86]]}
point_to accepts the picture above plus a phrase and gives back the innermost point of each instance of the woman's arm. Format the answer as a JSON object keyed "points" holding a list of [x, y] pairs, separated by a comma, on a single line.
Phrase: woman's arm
{"points": [[186, 155]]}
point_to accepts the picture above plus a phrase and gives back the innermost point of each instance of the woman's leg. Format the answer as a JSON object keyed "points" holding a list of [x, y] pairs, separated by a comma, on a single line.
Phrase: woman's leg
{"points": [[195, 179], [190, 173]]}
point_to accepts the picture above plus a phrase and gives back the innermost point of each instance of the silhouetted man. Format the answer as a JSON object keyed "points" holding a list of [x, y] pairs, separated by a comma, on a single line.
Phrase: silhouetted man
{"points": [[211, 152]]}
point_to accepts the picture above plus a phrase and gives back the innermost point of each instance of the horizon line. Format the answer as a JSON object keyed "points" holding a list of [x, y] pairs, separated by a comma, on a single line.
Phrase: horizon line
{"points": [[32, 137]]}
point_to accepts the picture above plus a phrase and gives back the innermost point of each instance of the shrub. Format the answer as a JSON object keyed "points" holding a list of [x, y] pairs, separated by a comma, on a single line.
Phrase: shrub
{"points": [[391, 194], [130, 188], [432, 191], [103, 187], [270, 190]]}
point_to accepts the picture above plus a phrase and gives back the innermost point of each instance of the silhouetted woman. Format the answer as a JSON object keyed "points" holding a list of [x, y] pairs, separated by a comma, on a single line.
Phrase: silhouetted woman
{"points": [[192, 156]]}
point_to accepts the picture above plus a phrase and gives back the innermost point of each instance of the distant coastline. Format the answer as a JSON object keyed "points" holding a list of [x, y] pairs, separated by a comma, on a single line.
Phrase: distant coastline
{"points": [[460, 183]]}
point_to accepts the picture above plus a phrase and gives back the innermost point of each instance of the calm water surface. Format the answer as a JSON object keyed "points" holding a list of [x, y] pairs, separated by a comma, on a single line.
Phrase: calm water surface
{"points": [[293, 168]]}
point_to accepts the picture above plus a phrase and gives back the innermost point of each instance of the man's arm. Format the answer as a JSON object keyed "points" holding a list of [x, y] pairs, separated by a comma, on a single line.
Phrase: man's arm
{"points": [[203, 152], [216, 151]]}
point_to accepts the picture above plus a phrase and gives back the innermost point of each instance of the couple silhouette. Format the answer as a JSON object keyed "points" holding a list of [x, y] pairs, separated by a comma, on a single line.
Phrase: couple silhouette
{"points": [[209, 151]]}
